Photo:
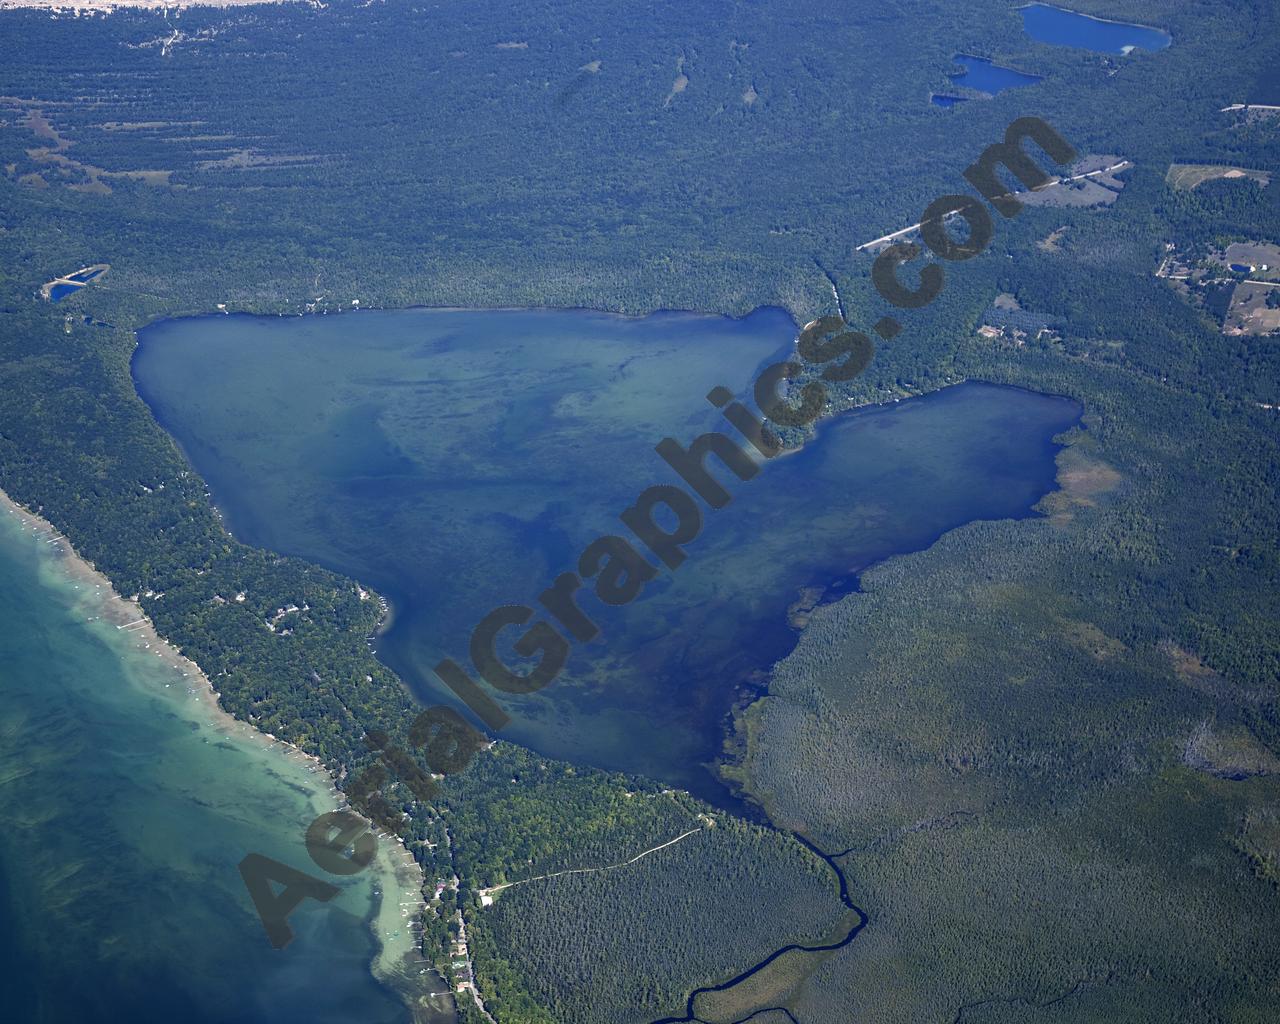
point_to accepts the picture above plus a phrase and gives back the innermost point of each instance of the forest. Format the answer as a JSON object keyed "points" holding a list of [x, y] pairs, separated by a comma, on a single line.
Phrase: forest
{"points": [[1042, 752]]}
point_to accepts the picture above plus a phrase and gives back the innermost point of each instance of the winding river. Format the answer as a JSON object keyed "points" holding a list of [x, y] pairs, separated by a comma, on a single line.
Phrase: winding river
{"points": [[849, 934]]}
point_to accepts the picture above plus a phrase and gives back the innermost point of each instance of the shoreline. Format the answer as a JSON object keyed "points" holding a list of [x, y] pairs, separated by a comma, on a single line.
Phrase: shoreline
{"points": [[394, 873], [121, 611], [1098, 17]]}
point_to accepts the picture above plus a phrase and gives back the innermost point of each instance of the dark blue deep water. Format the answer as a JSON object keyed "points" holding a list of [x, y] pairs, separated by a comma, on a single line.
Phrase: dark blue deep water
{"points": [[460, 460], [60, 291], [1069, 28], [983, 75]]}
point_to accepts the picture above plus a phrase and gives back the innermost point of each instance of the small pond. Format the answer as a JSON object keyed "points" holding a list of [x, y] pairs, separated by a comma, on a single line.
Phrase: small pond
{"points": [[60, 291], [984, 76]]}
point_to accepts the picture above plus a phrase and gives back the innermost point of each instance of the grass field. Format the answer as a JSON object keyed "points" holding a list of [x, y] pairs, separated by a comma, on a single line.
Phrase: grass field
{"points": [[1188, 176]]}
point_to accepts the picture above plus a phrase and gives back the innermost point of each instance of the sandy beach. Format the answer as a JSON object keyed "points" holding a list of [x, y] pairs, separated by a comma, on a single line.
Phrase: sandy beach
{"points": [[123, 612], [397, 875]]}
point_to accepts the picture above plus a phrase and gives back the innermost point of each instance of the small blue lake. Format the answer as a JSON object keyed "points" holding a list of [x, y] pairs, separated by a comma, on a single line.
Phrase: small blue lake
{"points": [[60, 287], [1240, 268], [1061, 27], [984, 76], [60, 291], [946, 101]]}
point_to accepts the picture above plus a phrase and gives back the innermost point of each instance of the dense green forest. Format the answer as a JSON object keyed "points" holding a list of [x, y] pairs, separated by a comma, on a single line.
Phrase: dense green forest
{"points": [[713, 904], [1043, 750]]}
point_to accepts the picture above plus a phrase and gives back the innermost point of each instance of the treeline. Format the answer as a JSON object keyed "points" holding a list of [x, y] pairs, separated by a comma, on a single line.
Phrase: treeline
{"points": [[998, 728], [516, 814], [628, 945], [401, 156]]}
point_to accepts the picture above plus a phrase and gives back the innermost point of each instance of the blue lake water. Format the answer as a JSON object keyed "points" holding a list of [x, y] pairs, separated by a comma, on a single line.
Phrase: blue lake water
{"points": [[127, 803], [947, 101], [1069, 28], [60, 291], [459, 460], [984, 76]]}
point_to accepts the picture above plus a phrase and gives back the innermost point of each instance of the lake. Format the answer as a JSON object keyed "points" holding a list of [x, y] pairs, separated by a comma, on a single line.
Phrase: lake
{"points": [[60, 287], [60, 291], [984, 76], [459, 460], [1061, 27], [128, 802]]}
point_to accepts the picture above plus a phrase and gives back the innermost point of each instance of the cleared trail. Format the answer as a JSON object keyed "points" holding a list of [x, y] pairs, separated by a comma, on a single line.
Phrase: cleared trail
{"points": [[587, 871]]}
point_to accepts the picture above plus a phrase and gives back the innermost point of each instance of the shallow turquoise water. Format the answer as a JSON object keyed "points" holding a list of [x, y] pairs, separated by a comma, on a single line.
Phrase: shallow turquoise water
{"points": [[459, 460], [127, 807]]}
